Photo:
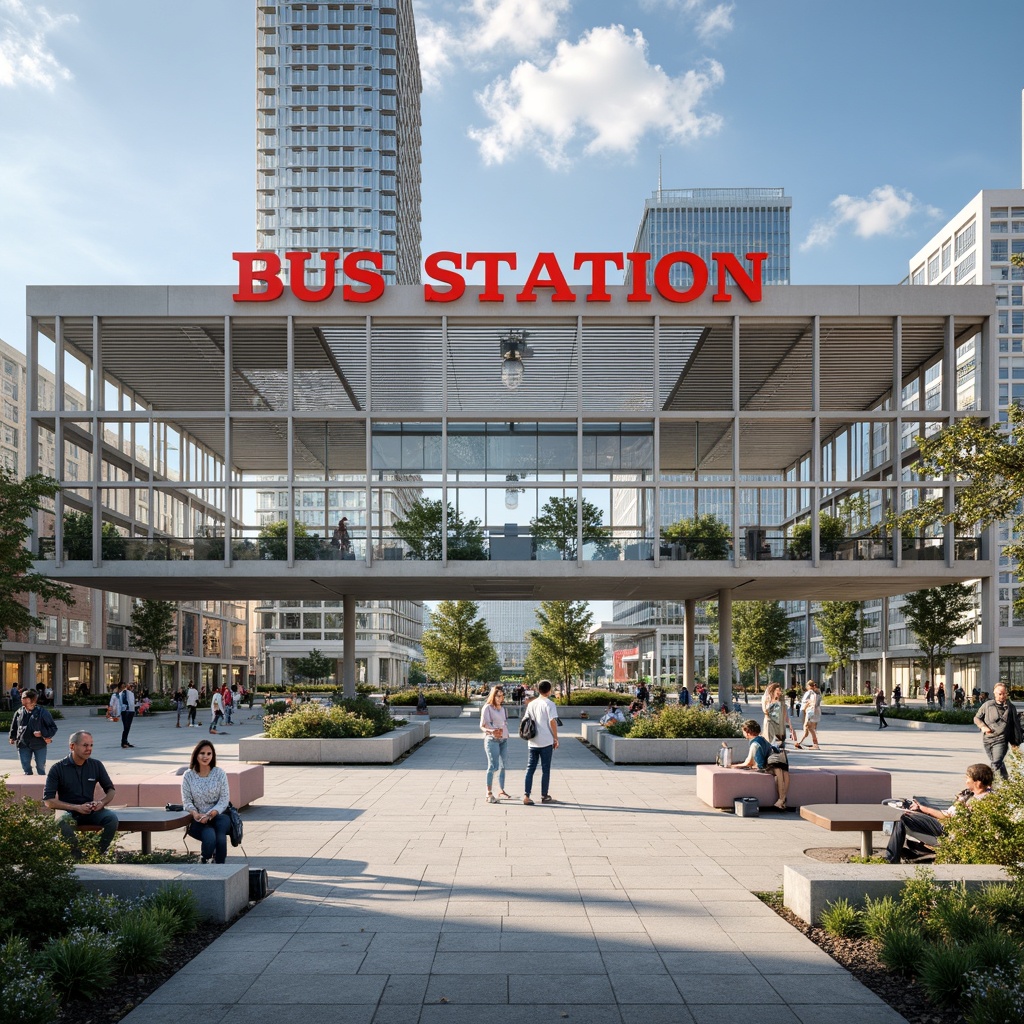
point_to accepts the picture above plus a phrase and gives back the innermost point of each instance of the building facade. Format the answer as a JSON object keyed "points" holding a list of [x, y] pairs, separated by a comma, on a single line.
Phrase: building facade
{"points": [[510, 623]]}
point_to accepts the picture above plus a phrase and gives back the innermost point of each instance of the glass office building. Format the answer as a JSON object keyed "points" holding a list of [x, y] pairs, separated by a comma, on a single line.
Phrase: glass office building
{"points": [[707, 220]]}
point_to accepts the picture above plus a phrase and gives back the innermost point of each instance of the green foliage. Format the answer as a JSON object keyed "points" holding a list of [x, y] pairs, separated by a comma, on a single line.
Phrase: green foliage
{"points": [[26, 996], [992, 948], [884, 914], [989, 831], [379, 715], [938, 717], [78, 539], [945, 972], [901, 948], [417, 674], [675, 723], [80, 963], [274, 707], [18, 500], [938, 618], [761, 635], [995, 996], [562, 641], [95, 910], [38, 880], [841, 919], [556, 526], [918, 895], [421, 530], [314, 721], [592, 698], [831, 532], [953, 917], [1003, 905], [180, 903], [841, 627], [153, 628], [457, 643], [141, 940], [441, 698], [848, 698], [704, 536], [273, 541], [316, 666]]}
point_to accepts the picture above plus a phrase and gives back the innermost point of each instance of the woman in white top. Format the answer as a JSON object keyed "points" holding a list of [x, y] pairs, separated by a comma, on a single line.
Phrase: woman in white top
{"points": [[776, 717], [812, 715], [217, 710], [205, 795], [494, 725]]}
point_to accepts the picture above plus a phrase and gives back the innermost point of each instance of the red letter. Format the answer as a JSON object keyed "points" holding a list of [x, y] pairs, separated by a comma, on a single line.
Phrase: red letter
{"points": [[297, 276], [598, 283], [546, 261], [639, 261], [491, 261], [750, 285], [664, 268], [456, 282], [249, 275], [361, 275]]}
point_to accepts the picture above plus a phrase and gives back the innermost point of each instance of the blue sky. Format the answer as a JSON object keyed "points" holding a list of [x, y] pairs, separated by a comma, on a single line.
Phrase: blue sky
{"points": [[127, 127]]}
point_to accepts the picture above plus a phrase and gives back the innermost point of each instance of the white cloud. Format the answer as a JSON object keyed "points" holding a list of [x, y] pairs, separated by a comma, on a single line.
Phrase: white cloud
{"points": [[602, 87], [883, 212], [436, 45], [710, 21], [25, 58]]}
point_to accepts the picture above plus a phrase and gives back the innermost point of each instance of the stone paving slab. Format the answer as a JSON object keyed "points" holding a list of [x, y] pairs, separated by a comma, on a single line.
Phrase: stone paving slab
{"points": [[401, 897]]}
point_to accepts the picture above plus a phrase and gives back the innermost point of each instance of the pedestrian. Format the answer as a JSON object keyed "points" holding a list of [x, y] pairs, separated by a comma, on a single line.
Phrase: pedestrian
{"points": [[226, 698], [179, 706], [929, 693], [494, 724], [32, 731], [684, 696], [1000, 728], [205, 795], [15, 697], [812, 715], [192, 703], [880, 707], [216, 711], [940, 696], [127, 695], [544, 743], [71, 791], [776, 717], [897, 696]]}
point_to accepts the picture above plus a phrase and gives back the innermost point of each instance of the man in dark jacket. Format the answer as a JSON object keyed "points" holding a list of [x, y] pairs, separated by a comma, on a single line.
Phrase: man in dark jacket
{"points": [[1000, 728], [32, 730]]}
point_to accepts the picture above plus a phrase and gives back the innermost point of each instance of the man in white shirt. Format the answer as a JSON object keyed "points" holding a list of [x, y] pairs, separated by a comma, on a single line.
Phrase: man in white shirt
{"points": [[192, 703], [545, 715]]}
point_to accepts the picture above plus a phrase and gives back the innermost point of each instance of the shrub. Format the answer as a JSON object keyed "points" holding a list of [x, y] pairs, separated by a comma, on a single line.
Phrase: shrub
{"points": [[841, 919], [996, 996], [80, 963], [593, 697], [945, 972], [882, 915], [25, 995], [275, 707], [642, 729], [95, 910], [992, 949], [442, 698], [953, 916], [142, 939], [1003, 905], [181, 903], [901, 949], [918, 896], [314, 721], [377, 714], [38, 880], [848, 698], [938, 717]]}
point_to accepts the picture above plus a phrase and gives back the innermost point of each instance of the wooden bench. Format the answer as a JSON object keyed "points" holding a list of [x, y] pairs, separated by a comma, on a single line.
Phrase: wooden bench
{"points": [[721, 787]]}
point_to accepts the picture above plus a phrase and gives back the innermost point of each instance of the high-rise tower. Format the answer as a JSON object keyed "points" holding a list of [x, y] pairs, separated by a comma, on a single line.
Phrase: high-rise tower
{"points": [[338, 131]]}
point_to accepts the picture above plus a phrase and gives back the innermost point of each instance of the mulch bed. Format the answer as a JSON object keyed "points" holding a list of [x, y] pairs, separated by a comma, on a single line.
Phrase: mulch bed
{"points": [[859, 957]]}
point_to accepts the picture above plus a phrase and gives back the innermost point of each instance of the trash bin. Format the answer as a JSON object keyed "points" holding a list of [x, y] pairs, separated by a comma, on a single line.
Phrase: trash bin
{"points": [[746, 807]]}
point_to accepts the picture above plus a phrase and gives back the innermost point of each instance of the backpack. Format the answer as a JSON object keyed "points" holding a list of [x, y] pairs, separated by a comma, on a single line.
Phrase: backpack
{"points": [[235, 833], [527, 727]]}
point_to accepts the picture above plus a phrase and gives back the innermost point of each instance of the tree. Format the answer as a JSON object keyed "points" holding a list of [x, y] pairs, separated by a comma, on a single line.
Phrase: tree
{"points": [[274, 541], [457, 642], [562, 642], [760, 636], [315, 666], [841, 628], [78, 539], [938, 618], [153, 629], [417, 673], [18, 578], [421, 531], [556, 525], [704, 536], [831, 531]]}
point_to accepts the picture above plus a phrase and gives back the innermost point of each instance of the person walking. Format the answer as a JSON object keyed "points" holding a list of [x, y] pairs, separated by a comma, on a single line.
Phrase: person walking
{"points": [[192, 703], [71, 788], [127, 695], [1000, 728], [880, 707], [205, 795], [32, 731], [494, 725], [897, 696], [812, 715], [179, 706], [544, 743], [225, 696], [776, 717], [216, 711]]}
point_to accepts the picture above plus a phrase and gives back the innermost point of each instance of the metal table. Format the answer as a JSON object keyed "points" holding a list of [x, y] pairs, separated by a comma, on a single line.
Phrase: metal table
{"points": [[862, 818]]}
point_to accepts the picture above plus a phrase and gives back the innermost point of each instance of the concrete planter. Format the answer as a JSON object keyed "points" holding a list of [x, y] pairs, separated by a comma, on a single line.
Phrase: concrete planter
{"points": [[689, 751], [907, 723], [575, 710], [384, 749], [433, 710]]}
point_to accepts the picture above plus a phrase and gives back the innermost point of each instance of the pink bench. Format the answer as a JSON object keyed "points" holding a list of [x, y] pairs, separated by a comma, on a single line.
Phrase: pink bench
{"points": [[721, 787]]}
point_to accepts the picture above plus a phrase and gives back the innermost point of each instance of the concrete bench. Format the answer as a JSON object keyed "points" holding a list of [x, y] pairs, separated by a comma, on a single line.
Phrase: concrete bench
{"points": [[721, 787]]}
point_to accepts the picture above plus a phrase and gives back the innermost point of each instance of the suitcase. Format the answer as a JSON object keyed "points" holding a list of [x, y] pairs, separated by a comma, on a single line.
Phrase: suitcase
{"points": [[746, 807]]}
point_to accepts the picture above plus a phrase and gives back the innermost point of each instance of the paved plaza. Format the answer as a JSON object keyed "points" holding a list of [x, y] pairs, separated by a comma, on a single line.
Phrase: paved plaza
{"points": [[402, 897]]}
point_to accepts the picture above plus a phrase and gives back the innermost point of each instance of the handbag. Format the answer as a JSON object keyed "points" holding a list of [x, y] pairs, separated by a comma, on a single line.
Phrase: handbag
{"points": [[527, 728], [777, 759], [235, 833]]}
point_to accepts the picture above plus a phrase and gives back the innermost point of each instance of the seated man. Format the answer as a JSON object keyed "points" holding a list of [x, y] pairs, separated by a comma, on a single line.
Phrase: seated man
{"points": [[614, 715], [71, 789], [919, 818], [757, 760]]}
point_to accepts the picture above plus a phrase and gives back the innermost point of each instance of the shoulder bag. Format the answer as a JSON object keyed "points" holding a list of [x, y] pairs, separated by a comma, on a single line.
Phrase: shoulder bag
{"points": [[527, 727], [235, 834]]}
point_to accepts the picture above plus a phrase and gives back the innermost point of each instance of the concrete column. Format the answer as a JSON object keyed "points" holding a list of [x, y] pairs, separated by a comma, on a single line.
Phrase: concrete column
{"points": [[689, 641], [886, 679], [725, 647], [989, 620], [348, 668], [58, 679]]}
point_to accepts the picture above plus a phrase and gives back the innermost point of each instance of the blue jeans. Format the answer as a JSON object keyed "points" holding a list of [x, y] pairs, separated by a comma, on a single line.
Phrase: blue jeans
{"points": [[542, 754], [105, 819], [213, 726], [27, 754], [213, 836], [495, 750]]}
